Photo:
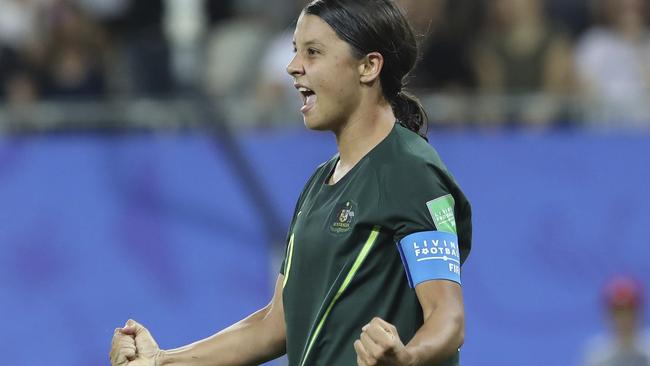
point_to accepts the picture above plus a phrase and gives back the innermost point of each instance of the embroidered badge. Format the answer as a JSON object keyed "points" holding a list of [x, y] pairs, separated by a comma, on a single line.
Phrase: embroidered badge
{"points": [[343, 217]]}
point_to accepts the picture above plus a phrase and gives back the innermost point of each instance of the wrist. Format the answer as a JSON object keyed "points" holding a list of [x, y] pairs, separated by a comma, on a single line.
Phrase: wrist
{"points": [[410, 357], [160, 358]]}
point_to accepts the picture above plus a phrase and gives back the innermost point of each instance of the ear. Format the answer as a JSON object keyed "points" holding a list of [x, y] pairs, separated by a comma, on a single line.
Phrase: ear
{"points": [[370, 67]]}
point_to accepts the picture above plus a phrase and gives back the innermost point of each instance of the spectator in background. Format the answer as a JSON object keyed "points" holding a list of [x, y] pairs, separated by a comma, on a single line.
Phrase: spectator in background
{"points": [[627, 345], [103, 11], [613, 63], [275, 94], [218, 10], [75, 55], [18, 22], [144, 61], [525, 57], [20, 38], [445, 31], [573, 15], [7, 62], [232, 67], [274, 91], [54, 51], [21, 89], [445, 28]]}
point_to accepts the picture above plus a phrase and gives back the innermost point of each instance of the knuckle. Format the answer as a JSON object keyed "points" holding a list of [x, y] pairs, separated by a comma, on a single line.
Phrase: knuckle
{"points": [[127, 340], [383, 344]]}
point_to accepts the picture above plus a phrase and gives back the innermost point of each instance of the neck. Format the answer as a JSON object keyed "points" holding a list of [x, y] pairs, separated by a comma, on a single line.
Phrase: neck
{"points": [[364, 130]]}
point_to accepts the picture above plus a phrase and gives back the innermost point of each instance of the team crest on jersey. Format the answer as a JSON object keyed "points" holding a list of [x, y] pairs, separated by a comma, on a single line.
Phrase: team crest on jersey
{"points": [[343, 217]]}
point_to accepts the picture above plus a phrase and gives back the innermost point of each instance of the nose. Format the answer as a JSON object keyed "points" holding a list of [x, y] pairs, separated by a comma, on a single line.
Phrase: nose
{"points": [[294, 68]]}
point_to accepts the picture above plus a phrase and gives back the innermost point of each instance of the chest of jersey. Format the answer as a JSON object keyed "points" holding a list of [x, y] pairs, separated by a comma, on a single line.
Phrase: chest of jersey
{"points": [[334, 221]]}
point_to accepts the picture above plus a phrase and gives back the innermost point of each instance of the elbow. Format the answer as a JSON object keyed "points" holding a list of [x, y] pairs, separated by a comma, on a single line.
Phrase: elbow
{"points": [[451, 333], [458, 332], [460, 338]]}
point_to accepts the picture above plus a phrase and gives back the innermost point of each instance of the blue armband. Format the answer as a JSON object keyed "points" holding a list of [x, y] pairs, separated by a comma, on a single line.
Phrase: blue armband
{"points": [[430, 255]]}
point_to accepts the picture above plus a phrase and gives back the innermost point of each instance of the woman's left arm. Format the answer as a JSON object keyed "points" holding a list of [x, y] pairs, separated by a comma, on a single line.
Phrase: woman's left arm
{"points": [[437, 340]]}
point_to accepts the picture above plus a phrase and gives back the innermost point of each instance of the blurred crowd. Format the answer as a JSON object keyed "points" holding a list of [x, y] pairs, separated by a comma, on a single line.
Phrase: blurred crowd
{"points": [[533, 63]]}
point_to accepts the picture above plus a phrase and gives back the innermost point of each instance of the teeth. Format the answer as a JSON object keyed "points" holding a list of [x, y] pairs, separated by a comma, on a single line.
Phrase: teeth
{"points": [[303, 90]]}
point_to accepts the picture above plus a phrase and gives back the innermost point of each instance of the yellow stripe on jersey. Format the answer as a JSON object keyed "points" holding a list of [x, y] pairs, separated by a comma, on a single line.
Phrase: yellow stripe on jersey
{"points": [[287, 261], [346, 282]]}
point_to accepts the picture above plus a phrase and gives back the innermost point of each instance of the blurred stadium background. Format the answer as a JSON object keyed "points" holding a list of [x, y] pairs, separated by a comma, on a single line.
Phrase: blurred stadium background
{"points": [[151, 153]]}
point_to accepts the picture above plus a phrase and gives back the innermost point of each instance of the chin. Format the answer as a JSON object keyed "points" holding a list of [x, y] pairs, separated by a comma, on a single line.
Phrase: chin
{"points": [[315, 124], [320, 122]]}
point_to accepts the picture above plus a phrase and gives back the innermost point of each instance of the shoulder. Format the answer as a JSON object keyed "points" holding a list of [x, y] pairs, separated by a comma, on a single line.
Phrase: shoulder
{"points": [[410, 158], [407, 149], [410, 172]]}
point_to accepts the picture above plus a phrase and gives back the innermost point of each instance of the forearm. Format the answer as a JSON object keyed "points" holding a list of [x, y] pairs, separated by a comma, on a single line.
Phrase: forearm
{"points": [[438, 339], [252, 341]]}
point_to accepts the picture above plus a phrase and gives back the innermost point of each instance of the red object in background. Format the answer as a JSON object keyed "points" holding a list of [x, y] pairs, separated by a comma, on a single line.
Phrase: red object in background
{"points": [[623, 292]]}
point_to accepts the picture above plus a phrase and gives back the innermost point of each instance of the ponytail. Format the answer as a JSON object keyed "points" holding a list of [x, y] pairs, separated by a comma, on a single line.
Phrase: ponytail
{"points": [[410, 113]]}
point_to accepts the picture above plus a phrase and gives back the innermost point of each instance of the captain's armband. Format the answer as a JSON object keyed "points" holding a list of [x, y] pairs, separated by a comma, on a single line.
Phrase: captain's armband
{"points": [[430, 255]]}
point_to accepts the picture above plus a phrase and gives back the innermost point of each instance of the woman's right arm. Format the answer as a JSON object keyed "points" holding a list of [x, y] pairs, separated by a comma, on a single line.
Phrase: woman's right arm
{"points": [[258, 338], [254, 340]]}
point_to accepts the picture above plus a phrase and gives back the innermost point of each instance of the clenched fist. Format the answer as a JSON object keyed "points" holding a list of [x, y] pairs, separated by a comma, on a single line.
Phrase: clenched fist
{"points": [[379, 345], [133, 345]]}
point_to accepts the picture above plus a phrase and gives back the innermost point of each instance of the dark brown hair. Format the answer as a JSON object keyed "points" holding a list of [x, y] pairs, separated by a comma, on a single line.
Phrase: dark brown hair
{"points": [[379, 26]]}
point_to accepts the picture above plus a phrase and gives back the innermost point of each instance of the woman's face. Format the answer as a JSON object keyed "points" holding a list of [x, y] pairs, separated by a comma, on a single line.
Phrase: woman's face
{"points": [[325, 73]]}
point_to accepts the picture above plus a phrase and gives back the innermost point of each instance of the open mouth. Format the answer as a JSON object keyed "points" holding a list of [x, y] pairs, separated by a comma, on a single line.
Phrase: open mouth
{"points": [[305, 93], [308, 99]]}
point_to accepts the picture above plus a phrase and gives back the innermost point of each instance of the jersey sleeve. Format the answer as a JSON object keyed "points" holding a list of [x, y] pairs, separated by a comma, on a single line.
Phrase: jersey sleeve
{"points": [[426, 204], [289, 240]]}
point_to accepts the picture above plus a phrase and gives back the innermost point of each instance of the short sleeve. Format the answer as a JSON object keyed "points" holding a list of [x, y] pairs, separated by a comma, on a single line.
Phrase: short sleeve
{"points": [[422, 200], [430, 218], [289, 238], [288, 244]]}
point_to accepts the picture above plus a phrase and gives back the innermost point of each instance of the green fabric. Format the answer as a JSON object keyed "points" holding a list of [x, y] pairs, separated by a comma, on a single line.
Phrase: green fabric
{"points": [[342, 267], [355, 267], [442, 213]]}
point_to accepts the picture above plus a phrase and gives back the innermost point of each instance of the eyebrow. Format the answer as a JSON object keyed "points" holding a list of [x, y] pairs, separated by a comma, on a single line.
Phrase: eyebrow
{"points": [[311, 42]]}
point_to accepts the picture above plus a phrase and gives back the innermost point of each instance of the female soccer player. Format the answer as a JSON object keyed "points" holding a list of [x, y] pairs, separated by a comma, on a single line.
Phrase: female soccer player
{"points": [[372, 268]]}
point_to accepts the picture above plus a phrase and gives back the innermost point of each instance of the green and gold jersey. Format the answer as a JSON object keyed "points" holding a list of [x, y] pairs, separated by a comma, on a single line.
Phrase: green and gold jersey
{"points": [[345, 258]]}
